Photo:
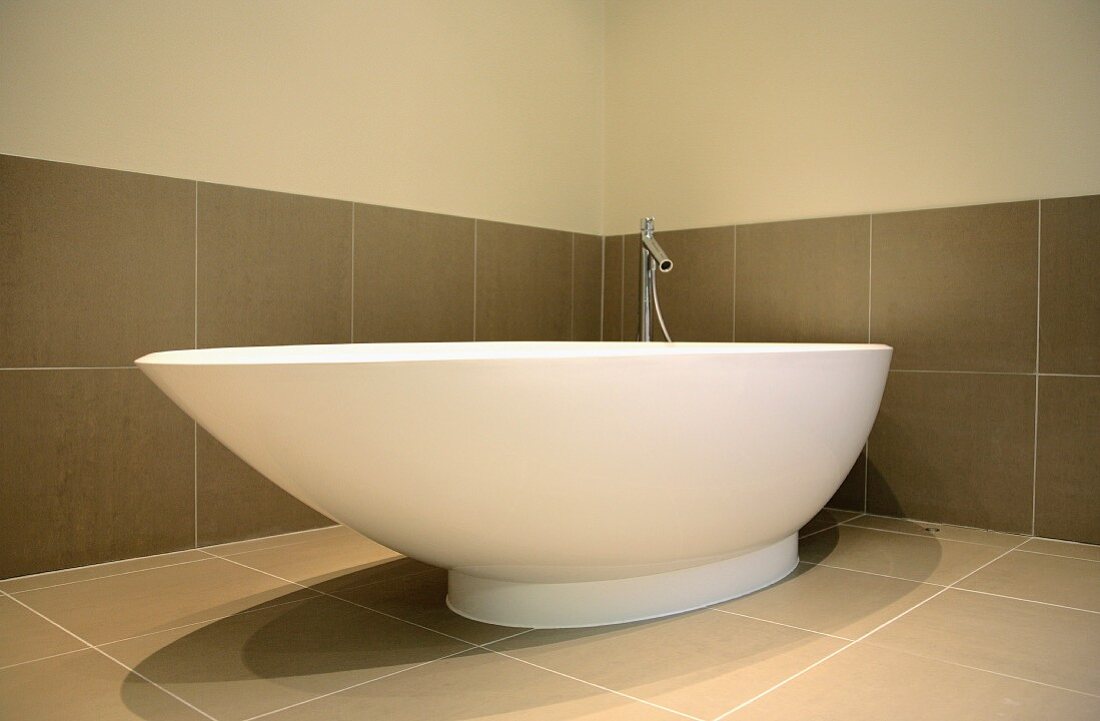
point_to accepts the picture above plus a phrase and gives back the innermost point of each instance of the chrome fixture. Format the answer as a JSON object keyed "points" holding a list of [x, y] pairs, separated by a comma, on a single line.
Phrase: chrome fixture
{"points": [[654, 258]]}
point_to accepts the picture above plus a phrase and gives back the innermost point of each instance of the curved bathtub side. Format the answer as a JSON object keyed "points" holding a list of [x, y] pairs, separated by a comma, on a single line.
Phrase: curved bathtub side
{"points": [[557, 469]]}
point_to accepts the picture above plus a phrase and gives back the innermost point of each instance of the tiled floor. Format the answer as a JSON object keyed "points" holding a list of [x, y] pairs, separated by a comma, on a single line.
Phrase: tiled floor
{"points": [[884, 619]]}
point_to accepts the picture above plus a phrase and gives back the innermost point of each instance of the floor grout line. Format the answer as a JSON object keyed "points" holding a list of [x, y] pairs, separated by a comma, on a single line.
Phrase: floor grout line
{"points": [[873, 573], [843, 648], [110, 657], [111, 575], [1059, 555], [830, 527], [778, 623], [44, 658], [1025, 600], [596, 685], [921, 535], [355, 685]]}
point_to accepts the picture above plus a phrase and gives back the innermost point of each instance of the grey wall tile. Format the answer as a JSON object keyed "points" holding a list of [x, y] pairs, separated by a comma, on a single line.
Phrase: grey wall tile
{"points": [[632, 264], [1067, 488], [587, 286], [1069, 293], [696, 296], [236, 502], [954, 448], [613, 288], [96, 266], [955, 288], [414, 276], [95, 465], [273, 268], [803, 281], [524, 282]]}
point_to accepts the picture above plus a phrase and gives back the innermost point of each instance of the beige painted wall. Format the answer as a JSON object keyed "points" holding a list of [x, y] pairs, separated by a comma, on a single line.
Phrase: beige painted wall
{"points": [[733, 111], [485, 108]]}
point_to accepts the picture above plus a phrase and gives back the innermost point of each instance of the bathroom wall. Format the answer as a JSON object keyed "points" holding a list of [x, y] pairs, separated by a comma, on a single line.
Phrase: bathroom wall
{"points": [[723, 112], [482, 108], [98, 267], [991, 415]]}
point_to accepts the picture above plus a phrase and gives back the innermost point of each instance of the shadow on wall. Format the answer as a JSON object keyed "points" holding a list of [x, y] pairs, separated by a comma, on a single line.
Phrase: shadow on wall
{"points": [[289, 650]]}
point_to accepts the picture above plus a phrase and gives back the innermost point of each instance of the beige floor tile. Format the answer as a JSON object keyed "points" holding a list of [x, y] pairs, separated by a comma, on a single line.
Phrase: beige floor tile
{"points": [[322, 556], [1042, 643], [421, 599], [387, 570], [699, 663], [475, 685], [865, 683], [831, 600], [84, 686], [825, 518], [1084, 551], [939, 530], [895, 554], [280, 541], [117, 607], [25, 636], [1051, 579], [263, 660], [85, 573]]}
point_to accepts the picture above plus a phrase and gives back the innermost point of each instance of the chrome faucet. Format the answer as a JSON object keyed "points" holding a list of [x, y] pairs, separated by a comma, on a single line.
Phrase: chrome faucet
{"points": [[654, 258]]}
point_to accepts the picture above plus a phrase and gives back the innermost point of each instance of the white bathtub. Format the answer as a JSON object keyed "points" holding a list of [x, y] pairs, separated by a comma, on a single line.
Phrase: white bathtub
{"points": [[562, 484]]}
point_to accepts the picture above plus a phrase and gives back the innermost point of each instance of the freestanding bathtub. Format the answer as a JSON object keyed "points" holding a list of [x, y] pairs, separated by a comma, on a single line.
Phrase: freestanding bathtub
{"points": [[562, 484]]}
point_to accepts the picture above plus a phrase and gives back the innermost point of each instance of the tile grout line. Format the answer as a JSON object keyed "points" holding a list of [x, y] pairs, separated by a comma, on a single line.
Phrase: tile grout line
{"points": [[110, 657], [918, 535], [1038, 325], [843, 648], [870, 277], [1060, 555], [995, 673], [475, 281], [595, 685], [874, 573], [42, 658], [356, 685], [603, 280], [194, 423], [826, 528], [110, 575], [1027, 600], [622, 290], [775, 623], [733, 310], [353, 272]]}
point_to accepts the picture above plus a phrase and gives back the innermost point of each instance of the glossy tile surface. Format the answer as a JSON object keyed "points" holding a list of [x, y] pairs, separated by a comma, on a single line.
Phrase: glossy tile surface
{"points": [[524, 282], [236, 502], [1027, 640], [98, 467], [587, 286], [895, 554], [373, 638], [956, 288], [696, 296], [865, 683], [414, 276], [94, 689], [956, 447], [803, 281], [1069, 310], [96, 266], [1037, 577], [25, 636], [273, 268], [1067, 470]]}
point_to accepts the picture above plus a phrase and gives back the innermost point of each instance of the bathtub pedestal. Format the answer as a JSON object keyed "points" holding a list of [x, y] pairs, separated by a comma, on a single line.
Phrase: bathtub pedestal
{"points": [[597, 603]]}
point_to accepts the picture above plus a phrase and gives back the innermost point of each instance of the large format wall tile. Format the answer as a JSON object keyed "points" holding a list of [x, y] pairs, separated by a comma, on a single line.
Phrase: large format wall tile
{"points": [[1067, 483], [587, 286], [954, 448], [96, 266], [632, 267], [955, 288], [803, 281], [851, 494], [524, 282], [273, 268], [236, 502], [696, 296], [1069, 290], [613, 288], [414, 276], [96, 465]]}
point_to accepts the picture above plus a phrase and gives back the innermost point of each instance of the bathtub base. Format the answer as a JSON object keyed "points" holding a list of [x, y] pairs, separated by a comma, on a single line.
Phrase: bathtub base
{"points": [[598, 603]]}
